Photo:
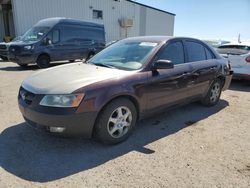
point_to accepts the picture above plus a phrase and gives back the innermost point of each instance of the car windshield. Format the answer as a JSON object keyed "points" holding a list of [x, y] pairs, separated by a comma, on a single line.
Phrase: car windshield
{"points": [[234, 49], [124, 55], [34, 34]]}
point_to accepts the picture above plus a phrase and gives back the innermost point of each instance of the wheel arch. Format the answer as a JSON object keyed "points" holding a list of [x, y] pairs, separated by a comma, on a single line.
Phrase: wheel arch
{"points": [[43, 53]]}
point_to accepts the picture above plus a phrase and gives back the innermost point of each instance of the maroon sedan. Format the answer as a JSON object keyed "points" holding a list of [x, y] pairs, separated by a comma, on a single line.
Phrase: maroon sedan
{"points": [[128, 81]]}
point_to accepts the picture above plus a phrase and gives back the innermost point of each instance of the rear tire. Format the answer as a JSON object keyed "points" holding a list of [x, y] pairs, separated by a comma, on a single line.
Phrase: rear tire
{"points": [[72, 60], [43, 61], [213, 94], [116, 122]]}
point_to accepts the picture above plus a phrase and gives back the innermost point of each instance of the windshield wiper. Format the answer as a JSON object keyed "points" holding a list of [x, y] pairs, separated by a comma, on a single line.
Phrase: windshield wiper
{"points": [[103, 65]]}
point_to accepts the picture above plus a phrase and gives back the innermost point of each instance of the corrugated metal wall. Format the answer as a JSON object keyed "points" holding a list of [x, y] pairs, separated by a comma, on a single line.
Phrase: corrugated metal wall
{"points": [[28, 12], [1, 26]]}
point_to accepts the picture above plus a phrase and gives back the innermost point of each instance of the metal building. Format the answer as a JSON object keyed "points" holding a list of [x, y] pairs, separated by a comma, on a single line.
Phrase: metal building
{"points": [[121, 18]]}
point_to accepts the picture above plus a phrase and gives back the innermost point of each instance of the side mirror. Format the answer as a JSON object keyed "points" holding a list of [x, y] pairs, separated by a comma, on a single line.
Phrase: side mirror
{"points": [[163, 64], [47, 41]]}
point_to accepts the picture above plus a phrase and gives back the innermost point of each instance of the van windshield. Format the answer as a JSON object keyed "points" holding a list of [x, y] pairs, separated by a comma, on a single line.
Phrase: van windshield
{"points": [[124, 55], [35, 34]]}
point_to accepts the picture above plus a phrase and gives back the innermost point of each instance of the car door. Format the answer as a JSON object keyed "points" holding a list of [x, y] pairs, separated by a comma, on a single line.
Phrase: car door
{"points": [[167, 87], [204, 66]]}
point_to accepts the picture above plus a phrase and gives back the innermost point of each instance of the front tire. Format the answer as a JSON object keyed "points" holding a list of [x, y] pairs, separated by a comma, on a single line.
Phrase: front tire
{"points": [[213, 94], [43, 61], [4, 58], [116, 122]]}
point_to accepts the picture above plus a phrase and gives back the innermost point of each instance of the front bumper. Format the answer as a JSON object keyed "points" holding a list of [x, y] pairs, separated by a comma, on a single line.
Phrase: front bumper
{"points": [[228, 80], [22, 59], [43, 118], [240, 76]]}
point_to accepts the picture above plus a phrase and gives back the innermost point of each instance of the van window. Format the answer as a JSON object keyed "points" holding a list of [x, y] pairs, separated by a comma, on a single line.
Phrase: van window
{"points": [[196, 51], [55, 36], [173, 52], [71, 34]]}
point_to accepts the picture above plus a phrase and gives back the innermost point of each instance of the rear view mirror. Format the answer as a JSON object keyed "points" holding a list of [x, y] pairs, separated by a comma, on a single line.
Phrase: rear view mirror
{"points": [[163, 64]]}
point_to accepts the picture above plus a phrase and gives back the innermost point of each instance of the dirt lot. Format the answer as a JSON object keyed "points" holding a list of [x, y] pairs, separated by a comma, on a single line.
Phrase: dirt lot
{"points": [[192, 146]]}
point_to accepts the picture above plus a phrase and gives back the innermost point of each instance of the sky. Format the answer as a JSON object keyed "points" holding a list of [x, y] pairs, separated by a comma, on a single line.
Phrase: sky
{"points": [[208, 19]]}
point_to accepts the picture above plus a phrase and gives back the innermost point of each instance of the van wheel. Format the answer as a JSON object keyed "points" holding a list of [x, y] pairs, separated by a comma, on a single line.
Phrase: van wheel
{"points": [[4, 58], [72, 60], [213, 94], [43, 61], [116, 121]]}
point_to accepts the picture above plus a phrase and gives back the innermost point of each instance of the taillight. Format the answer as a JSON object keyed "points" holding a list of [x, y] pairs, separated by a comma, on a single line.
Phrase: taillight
{"points": [[248, 59]]}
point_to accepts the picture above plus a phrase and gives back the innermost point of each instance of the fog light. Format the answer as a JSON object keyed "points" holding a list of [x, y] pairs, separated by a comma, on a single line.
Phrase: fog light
{"points": [[56, 129]]}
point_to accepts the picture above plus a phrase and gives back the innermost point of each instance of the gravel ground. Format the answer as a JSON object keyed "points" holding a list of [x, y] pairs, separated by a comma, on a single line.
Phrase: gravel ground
{"points": [[192, 146]]}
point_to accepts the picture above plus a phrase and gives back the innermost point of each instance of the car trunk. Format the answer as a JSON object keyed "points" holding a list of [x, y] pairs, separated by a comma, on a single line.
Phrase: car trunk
{"points": [[236, 55]]}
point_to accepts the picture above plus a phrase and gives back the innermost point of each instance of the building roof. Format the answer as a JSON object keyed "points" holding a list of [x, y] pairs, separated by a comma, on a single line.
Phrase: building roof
{"points": [[151, 7]]}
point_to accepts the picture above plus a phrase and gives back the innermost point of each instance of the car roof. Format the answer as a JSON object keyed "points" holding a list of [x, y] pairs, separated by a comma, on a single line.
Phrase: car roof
{"points": [[157, 39]]}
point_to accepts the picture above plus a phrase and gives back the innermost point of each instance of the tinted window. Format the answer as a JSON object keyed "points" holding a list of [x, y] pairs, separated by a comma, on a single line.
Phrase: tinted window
{"points": [[196, 51], [173, 52], [209, 54], [73, 34], [239, 47]]}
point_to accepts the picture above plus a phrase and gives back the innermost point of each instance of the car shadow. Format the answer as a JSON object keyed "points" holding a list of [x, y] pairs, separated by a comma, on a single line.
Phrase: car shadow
{"points": [[31, 67], [240, 85], [39, 157]]}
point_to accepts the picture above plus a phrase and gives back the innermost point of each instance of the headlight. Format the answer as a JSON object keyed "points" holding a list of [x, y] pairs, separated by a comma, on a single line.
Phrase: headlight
{"points": [[66, 101], [29, 47]]}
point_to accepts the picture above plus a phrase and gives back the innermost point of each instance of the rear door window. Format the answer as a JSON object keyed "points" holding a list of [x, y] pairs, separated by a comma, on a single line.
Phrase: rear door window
{"points": [[173, 52], [196, 51], [209, 54]]}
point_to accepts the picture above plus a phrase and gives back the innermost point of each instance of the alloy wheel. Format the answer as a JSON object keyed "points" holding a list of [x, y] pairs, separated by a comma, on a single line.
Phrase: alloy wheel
{"points": [[119, 122], [215, 92]]}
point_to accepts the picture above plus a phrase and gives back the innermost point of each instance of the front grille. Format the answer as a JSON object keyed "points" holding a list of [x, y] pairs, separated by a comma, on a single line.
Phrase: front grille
{"points": [[26, 96], [3, 47]]}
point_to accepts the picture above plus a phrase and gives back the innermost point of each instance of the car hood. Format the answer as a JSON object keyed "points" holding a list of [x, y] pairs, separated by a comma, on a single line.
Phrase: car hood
{"points": [[66, 79]]}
